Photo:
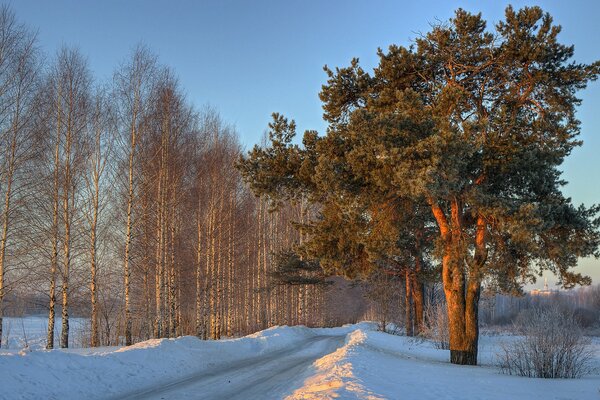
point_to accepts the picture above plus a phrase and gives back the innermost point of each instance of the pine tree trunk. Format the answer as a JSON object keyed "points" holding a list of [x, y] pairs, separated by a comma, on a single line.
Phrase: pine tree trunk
{"points": [[462, 296], [418, 296], [301, 303], [463, 324], [408, 318]]}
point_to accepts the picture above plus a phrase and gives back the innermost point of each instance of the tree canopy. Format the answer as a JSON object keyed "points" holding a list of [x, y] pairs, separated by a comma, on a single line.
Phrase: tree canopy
{"points": [[462, 132]]}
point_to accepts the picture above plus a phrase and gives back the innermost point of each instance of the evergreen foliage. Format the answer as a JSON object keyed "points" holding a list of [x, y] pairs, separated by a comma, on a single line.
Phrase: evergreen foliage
{"points": [[291, 269], [461, 134]]}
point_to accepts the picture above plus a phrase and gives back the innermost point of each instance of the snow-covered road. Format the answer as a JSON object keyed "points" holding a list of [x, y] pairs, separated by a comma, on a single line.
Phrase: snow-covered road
{"points": [[271, 376], [293, 363]]}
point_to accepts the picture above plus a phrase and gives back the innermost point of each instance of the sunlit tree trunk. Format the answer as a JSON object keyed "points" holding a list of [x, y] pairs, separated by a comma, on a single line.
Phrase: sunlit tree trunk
{"points": [[96, 173], [199, 288], [55, 238], [462, 292]]}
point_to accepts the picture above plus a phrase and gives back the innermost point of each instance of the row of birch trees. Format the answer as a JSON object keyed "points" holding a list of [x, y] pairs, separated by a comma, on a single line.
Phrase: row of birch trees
{"points": [[121, 205]]}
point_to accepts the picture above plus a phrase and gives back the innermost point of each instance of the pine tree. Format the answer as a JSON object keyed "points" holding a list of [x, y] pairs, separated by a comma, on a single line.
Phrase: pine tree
{"points": [[469, 127]]}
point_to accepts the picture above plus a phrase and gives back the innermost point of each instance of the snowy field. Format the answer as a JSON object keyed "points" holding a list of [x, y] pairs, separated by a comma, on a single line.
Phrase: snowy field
{"points": [[18, 333], [352, 362]]}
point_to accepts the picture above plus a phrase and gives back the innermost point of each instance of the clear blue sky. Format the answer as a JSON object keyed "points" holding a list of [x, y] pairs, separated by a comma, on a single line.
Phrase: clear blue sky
{"points": [[251, 58]]}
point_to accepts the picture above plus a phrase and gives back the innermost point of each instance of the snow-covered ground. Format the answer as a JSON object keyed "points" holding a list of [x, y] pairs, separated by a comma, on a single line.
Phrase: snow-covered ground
{"points": [[352, 362], [374, 365], [18, 333]]}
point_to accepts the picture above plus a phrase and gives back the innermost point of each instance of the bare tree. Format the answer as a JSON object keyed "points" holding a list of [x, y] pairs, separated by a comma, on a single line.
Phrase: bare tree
{"points": [[195, 247], [70, 83], [19, 72], [101, 145], [133, 81]]}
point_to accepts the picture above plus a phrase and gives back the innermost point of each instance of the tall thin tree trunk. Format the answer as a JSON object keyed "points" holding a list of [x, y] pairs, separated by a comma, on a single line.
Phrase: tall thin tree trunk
{"points": [[265, 264], [128, 232], [67, 193], [93, 240], [199, 321], [159, 257], [54, 254], [213, 276], [260, 294], [6, 213], [207, 303], [418, 295], [172, 279], [408, 307], [230, 270], [94, 334]]}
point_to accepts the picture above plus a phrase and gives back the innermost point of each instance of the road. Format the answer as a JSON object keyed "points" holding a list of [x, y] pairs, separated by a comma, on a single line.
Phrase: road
{"points": [[270, 376]]}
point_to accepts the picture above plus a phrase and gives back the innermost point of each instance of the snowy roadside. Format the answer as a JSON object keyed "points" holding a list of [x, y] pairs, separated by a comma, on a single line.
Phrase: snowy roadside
{"points": [[111, 371], [374, 365], [369, 365]]}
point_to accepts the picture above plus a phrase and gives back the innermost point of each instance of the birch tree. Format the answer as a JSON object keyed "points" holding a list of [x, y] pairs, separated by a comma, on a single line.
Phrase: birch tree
{"points": [[101, 146], [133, 85], [19, 74], [70, 83]]}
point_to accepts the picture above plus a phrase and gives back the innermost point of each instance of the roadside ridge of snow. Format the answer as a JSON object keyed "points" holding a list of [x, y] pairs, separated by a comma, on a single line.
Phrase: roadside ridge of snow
{"points": [[110, 371], [334, 374], [399, 367]]}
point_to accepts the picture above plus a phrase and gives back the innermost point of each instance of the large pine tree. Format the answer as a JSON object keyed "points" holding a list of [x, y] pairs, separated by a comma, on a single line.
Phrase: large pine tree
{"points": [[469, 127]]}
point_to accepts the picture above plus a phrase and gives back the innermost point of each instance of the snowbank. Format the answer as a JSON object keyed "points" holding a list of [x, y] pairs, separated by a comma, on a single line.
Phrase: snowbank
{"points": [[105, 372], [370, 365], [374, 365]]}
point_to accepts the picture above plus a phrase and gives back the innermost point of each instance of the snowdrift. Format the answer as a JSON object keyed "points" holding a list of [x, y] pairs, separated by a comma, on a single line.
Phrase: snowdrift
{"points": [[111, 371], [369, 365]]}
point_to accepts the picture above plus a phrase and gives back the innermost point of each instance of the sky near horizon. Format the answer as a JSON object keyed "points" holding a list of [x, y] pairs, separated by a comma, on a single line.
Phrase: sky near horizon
{"points": [[249, 59]]}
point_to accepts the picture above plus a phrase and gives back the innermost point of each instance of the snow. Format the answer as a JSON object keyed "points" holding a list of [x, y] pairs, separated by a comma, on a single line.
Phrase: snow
{"points": [[31, 331], [374, 365], [110, 371], [363, 364]]}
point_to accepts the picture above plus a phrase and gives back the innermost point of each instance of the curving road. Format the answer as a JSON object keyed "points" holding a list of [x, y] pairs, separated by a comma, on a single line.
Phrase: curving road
{"points": [[270, 376]]}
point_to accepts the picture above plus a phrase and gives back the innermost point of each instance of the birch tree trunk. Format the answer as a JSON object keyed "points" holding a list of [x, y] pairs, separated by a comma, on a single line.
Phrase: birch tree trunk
{"points": [[20, 69], [67, 192], [55, 238], [133, 82], [7, 207], [128, 229], [98, 163], [199, 275]]}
